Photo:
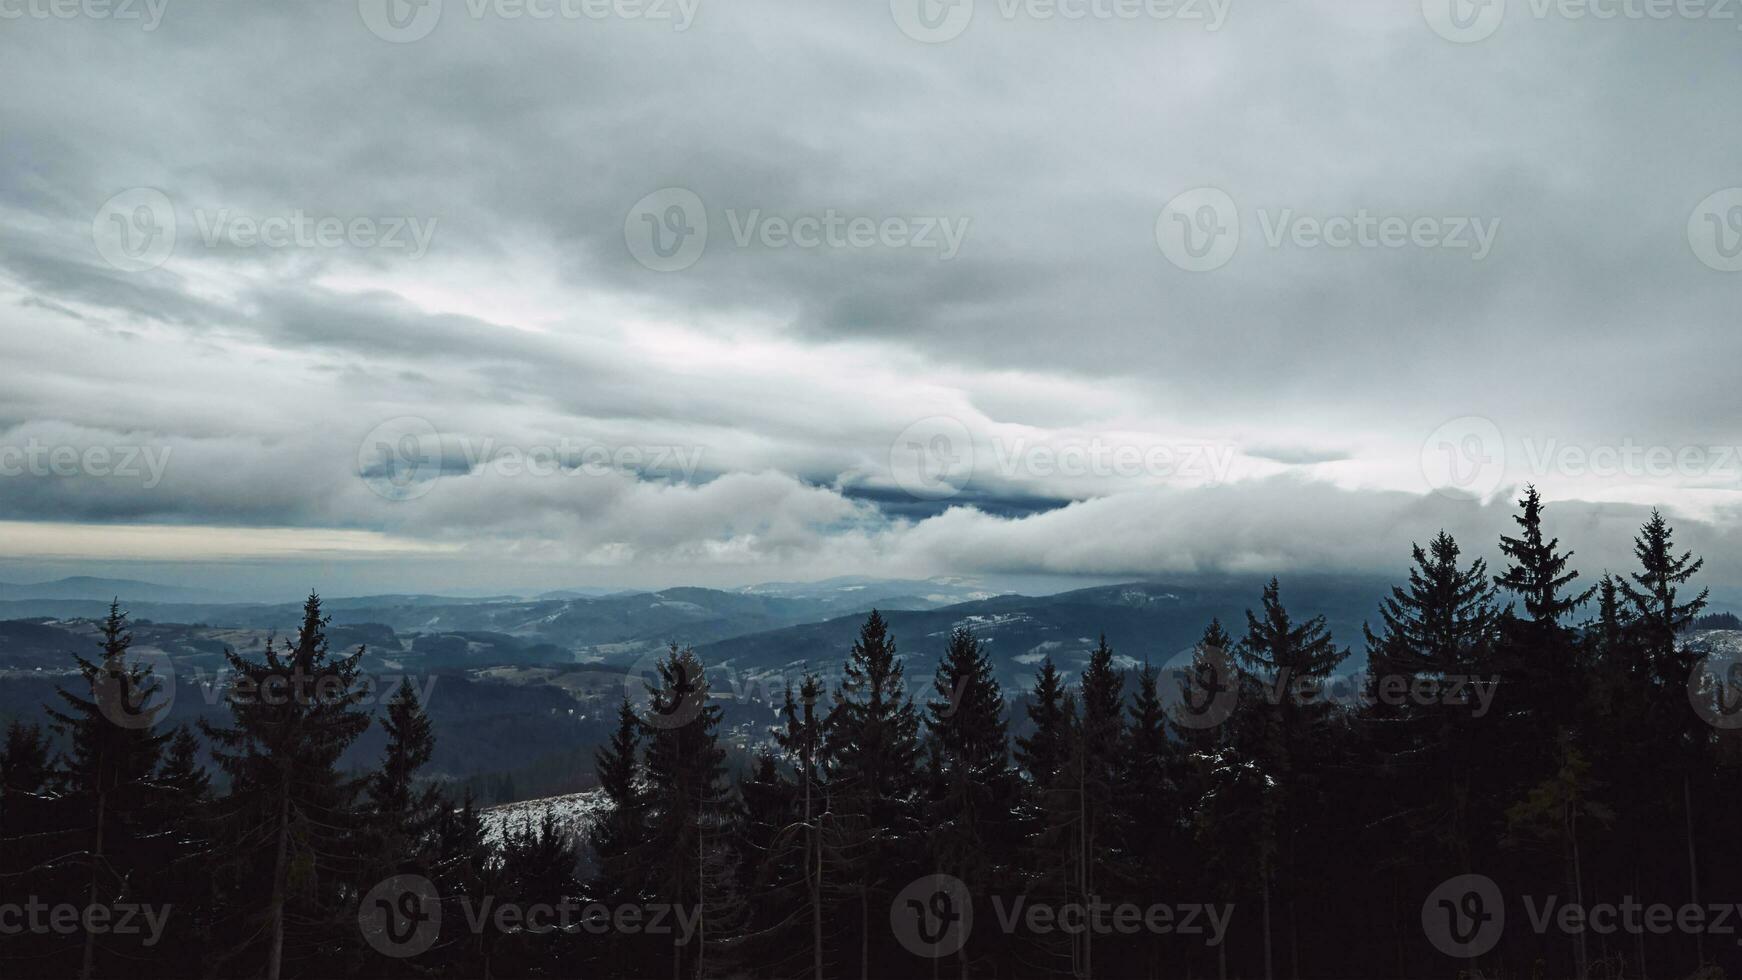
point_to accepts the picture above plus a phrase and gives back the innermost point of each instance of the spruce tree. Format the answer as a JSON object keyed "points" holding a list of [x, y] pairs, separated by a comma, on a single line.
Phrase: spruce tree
{"points": [[402, 813], [871, 756], [112, 755], [1541, 660], [802, 742], [1152, 819], [1654, 599], [287, 828], [1538, 570], [621, 842], [686, 803], [1042, 753], [1292, 728], [974, 790]]}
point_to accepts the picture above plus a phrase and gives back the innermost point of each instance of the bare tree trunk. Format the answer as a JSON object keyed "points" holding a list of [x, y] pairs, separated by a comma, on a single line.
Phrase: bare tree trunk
{"points": [[814, 851], [280, 874], [1581, 952], [1264, 879], [96, 862], [1693, 866], [1638, 934]]}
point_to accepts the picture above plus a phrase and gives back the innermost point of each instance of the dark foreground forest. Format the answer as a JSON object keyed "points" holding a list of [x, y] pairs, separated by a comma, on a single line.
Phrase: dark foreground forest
{"points": [[1537, 776]]}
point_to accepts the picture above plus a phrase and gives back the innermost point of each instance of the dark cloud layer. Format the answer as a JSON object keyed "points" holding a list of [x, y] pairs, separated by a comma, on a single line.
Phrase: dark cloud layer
{"points": [[793, 375]]}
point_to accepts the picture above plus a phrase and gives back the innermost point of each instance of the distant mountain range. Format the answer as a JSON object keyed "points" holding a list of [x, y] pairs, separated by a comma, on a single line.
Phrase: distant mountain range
{"points": [[104, 589], [529, 685]]}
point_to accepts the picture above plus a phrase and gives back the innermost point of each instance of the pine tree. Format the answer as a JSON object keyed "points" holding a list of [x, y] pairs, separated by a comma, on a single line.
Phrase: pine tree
{"points": [[1210, 690], [24, 762], [1290, 731], [1102, 746], [112, 758], [802, 743], [287, 826], [1042, 753], [1541, 658], [871, 755], [1654, 600], [686, 801], [1444, 623], [1538, 571], [1152, 819], [402, 814], [974, 789], [621, 842], [183, 881]]}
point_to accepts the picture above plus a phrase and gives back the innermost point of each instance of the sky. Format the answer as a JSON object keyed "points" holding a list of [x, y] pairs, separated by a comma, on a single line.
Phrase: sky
{"points": [[495, 295]]}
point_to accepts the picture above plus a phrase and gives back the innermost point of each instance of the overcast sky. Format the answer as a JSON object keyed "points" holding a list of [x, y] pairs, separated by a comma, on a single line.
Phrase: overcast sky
{"points": [[507, 294]]}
